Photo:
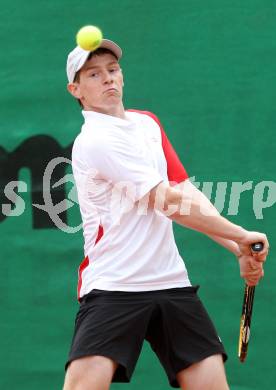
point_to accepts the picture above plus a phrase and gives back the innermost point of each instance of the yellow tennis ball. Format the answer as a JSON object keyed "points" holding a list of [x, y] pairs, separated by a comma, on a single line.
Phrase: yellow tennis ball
{"points": [[89, 38]]}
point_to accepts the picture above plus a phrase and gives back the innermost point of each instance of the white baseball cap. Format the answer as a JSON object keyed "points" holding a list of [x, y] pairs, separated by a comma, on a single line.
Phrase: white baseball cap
{"points": [[77, 57]]}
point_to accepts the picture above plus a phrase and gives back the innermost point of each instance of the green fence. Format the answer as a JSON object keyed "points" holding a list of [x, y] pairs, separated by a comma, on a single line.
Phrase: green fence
{"points": [[207, 69]]}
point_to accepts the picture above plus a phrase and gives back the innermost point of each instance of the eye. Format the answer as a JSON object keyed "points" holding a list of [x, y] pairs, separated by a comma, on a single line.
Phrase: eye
{"points": [[94, 74]]}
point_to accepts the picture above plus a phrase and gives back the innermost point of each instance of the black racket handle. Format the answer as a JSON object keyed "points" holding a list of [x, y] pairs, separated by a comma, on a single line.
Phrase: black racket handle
{"points": [[257, 247]]}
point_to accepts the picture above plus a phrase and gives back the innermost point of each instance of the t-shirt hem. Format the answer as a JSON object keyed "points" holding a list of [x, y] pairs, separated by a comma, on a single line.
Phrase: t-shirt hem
{"points": [[109, 286]]}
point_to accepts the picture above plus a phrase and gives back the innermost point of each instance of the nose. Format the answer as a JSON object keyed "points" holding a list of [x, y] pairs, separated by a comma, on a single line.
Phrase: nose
{"points": [[107, 77]]}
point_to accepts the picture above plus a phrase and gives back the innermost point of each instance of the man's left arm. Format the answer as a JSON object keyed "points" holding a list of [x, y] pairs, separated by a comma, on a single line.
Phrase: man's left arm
{"points": [[178, 175], [250, 267]]}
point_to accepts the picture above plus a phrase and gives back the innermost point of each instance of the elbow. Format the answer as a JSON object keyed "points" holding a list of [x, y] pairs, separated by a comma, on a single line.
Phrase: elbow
{"points": [[178, 205], [172, 203], [169, 202]]}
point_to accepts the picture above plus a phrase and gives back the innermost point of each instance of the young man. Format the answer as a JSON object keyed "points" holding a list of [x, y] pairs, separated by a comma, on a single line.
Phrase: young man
{"points": [[133, 284]]}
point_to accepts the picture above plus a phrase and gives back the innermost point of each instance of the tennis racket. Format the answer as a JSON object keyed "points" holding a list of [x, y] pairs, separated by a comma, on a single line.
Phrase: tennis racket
{"points": [[247, 308]]}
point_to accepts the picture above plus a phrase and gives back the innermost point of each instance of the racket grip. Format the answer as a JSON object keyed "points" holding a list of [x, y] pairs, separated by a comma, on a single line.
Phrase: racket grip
{"points": [[247, 308]]}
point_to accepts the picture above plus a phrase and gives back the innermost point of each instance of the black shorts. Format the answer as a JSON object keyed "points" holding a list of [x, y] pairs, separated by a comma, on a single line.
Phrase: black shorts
{"points": [[115, 323]]}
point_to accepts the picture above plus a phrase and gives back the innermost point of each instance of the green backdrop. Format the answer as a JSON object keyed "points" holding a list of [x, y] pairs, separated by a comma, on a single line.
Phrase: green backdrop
{"points": [[207, 69]]}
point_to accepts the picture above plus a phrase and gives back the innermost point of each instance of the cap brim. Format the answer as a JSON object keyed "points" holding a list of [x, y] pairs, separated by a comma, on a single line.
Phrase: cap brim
{"points": [[112, 46], [106, 44]]}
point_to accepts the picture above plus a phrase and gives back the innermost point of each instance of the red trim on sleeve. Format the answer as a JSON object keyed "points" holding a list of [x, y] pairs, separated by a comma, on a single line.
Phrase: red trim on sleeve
{"points": [[175, 170]]}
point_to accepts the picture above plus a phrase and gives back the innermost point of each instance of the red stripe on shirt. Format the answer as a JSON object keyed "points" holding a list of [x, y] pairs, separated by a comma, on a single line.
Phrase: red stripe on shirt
{"points": [[82, 267], [85, 263], [175, 170], [100, 234]]}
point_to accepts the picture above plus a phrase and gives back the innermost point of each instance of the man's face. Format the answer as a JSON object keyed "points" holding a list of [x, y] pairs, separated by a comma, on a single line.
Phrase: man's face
{"points": [[100, 83]]}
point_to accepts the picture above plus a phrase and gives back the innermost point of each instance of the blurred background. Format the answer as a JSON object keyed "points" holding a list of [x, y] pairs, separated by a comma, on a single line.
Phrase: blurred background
{"points": [[207, 70]]}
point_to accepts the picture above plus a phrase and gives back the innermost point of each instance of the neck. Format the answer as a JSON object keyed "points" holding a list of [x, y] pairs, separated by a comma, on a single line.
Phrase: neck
{"points": [[116, 110]]}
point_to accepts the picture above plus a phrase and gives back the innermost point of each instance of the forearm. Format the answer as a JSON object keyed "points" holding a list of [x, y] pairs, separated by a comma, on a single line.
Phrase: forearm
{"points": [[211, 225], [228, 244], [200, 214]]}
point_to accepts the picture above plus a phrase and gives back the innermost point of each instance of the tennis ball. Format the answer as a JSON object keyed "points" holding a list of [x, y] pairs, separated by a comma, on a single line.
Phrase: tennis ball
{"points": [[89, 38]]}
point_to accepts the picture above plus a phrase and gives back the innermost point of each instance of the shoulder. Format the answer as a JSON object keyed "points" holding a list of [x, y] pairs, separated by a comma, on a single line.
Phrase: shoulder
{"points": [[148, 118], [146, 115]]}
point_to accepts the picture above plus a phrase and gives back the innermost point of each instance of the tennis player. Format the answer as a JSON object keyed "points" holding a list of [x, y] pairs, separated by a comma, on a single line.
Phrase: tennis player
{"points": [[133, 284]]}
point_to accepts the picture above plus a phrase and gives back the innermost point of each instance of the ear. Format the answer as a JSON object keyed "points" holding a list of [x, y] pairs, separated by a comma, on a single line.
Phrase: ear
{"points": [[122, 77], [74, 89]]}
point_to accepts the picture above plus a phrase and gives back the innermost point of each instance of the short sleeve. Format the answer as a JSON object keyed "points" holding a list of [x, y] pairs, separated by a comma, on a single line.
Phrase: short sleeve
{"points": [[121, 162], [175, 169]]}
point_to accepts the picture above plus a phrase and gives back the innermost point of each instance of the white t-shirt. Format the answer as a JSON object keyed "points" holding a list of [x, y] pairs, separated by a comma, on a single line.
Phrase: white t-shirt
{"points": [[128, 246]]}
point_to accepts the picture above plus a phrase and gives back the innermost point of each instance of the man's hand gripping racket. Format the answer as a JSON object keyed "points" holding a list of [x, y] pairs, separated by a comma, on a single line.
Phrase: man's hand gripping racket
{"points": [[247, 308]]}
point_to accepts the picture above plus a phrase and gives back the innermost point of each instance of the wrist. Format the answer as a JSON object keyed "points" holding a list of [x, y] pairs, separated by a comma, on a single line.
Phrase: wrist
{"points": [[241, 236]]}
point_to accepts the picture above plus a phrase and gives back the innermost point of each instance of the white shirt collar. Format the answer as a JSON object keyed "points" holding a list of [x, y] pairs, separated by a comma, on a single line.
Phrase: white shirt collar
{"points": [[104, 119]]}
